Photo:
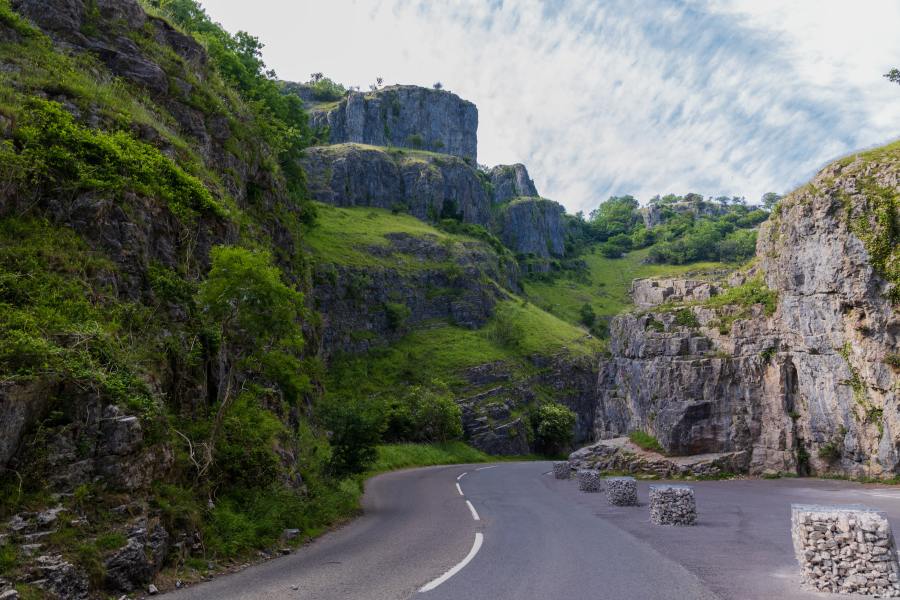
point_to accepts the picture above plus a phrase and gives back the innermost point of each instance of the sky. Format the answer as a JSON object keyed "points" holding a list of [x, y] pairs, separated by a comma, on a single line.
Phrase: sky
{"points": [[612, 97]]}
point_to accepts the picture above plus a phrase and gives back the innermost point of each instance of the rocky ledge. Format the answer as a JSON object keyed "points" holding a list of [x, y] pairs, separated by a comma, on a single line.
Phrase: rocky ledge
{"points": [[619, 455]]}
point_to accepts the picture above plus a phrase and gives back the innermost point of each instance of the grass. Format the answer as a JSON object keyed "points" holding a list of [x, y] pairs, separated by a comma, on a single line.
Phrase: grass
{"points": [[444, 351], [404, 456], [606, 285], [344, 236], [646, 441]]}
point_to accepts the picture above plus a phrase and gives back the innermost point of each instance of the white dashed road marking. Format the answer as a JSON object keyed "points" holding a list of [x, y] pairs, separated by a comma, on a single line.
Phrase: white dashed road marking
{"points": [[474, 513], [459, 489]]}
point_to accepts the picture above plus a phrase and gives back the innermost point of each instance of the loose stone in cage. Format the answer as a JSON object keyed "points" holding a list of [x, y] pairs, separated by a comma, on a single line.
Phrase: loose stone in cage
{"points": [[621, 491], [845, 549], [589, 481], [561, 469], [672, 505]]}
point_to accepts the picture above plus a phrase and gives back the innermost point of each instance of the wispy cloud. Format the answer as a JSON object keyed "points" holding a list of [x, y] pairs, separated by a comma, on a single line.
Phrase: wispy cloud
{"points": [[733, 97]]}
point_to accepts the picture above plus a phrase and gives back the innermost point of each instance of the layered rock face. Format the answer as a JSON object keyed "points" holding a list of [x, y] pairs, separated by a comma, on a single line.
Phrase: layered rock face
{"points": [[806, 387], [404, 116], [429, 186], [355, 304], [511, 181], [534, 226]]}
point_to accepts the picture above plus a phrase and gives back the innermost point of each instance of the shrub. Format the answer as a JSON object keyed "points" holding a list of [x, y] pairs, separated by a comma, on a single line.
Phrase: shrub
{"points": [[415, 141], [685, 317], [397, 314], [830, 451], [356, 429], [60, 154], [553, 427], [646, 441], [587, 316], [505, 330]]}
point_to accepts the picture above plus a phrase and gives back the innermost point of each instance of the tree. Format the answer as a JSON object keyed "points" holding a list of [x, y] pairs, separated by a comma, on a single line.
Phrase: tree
{"points": [[893, 75], [554, 427], [770, 199], [438, 85], [316, 77], [254, 315]]}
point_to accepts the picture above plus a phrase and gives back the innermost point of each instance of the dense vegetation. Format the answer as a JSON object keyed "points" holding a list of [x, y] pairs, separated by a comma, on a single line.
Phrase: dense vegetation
{"points": [[686, 228]]}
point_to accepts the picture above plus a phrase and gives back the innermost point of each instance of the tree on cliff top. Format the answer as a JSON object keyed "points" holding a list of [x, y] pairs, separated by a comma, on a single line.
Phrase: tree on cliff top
{"points": [[893, 75]]}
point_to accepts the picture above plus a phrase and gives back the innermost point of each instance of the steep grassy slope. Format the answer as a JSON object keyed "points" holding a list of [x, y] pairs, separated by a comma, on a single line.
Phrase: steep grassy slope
{"points": [[604, 285]]}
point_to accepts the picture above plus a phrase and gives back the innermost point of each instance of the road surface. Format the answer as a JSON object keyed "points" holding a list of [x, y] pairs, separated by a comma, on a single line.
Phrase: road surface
{"points": [[511, 531]]}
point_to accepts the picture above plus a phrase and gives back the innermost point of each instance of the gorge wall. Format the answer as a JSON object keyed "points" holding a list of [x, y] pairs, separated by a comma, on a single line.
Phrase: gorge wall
{"points": [[793, 361], [404, 116]]}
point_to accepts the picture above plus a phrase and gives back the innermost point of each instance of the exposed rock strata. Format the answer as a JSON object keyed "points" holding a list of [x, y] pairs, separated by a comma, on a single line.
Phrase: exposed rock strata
{"points": [[405, 116], [620, 455], [806, 387]]}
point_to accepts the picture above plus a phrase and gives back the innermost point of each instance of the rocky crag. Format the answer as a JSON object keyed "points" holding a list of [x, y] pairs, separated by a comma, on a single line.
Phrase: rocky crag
{"points": [[793, 361], [402, 116]]}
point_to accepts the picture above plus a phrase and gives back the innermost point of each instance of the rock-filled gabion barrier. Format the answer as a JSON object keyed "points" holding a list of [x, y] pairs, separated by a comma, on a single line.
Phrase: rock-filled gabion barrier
{"points": [[621, 491], [845, 549], [561, 469], [672, 505], [589, 481]]}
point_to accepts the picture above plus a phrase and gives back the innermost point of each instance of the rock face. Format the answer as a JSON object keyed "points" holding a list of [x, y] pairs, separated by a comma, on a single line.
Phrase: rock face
{"points": [[489, 415], [646, 293], [428, 186], [355, 303], [620, 455], [511, 181], [534, 226], [656, 214], [802, 387], [404, 116]]}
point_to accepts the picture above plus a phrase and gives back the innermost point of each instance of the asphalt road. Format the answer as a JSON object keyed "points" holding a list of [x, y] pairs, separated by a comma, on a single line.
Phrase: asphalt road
{"points": [[537, 538]]}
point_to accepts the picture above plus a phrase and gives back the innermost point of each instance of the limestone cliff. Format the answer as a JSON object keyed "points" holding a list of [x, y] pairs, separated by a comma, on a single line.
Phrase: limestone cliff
{"points": [[792, 362], [533, 226], [404, 116], [511, 181], [429, 186]]}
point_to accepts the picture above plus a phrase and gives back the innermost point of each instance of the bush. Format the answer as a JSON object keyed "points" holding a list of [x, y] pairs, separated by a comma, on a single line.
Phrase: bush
{"points": [[587, 316], [646, 441], [554, 428], [355, 430], [830, 451], [505, 330], [397, 314], [58, 153], [685, 317]]}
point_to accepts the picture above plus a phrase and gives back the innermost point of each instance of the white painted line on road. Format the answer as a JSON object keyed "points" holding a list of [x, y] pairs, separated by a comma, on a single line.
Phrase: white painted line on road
{"points": [[463, 475], [483, 468], [479, 538], [459, 489], [474, 514]]}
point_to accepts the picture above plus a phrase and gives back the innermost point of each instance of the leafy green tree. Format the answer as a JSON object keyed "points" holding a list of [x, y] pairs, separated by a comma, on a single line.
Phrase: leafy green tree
{"points": [[355, 430], [252, 314], [893, 75], [554, 428]]}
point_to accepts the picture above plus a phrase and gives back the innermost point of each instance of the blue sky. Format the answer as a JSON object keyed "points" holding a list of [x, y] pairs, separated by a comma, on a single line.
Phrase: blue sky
{"points": [[597, 98]]}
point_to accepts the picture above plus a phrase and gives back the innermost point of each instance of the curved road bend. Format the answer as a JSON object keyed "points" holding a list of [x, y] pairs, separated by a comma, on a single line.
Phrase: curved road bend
{"points": [[537, 544], [542, 539]]}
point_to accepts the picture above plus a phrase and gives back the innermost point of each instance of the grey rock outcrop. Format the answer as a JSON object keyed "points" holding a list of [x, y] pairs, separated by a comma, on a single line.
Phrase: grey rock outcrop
{"points": [[802, 387], [22, 404], [428, 186], [646, 293], [620, 455], [404, 116], [656, 214], [533, 226], [511, 181], [135, 564]]}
